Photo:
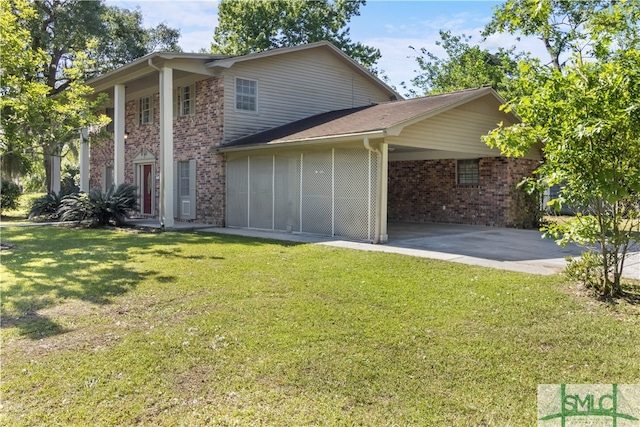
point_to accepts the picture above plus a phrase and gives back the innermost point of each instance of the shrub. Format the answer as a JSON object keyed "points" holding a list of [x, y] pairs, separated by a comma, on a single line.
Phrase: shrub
{"points": [[112, 207], [9, 194], [587, 269], [47, 206], [69, 179]]}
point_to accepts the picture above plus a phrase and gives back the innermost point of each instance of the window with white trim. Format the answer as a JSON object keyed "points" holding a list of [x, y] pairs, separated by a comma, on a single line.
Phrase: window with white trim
{"points": [[468, 172], [145, 111], [187, 100], [246, 94]]}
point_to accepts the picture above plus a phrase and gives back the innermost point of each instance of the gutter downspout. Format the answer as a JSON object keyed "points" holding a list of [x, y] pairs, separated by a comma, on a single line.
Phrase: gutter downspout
{"points": [[366, 144]]}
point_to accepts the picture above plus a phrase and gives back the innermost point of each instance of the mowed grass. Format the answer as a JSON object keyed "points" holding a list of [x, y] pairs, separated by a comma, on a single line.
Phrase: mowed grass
{"points": [[103, 327], [21, 212]]}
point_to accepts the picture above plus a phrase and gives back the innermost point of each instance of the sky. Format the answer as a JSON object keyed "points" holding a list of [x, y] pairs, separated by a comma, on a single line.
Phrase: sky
{"points": [[391, 26]]}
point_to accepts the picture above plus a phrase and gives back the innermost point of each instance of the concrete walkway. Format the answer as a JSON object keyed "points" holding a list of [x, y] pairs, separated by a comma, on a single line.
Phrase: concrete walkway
{"points": [[503, 248]]}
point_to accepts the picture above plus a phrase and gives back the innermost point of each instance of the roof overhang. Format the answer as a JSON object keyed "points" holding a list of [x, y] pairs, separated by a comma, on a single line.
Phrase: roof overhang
{"points": [[333, 139], [151, 63]]}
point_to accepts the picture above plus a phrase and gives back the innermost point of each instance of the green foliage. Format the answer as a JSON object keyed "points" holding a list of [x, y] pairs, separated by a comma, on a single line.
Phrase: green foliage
{"points": [[526, 206], [464, 67], [255, 26], [69, 177], [585, 117], [101, 209], [47, 207], [564, 26], [9, 194], [122, 39], [587, 269], [48, 49]]}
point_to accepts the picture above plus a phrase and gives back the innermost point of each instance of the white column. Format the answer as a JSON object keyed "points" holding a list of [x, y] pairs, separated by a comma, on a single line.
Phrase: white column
{"points": [[84, 160], [118, 134], [55, 174], [384, 174], [166, 147]]}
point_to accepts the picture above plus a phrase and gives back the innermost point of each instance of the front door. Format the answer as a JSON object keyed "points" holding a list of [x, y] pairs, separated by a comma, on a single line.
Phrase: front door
{"points": [[147, 183]]}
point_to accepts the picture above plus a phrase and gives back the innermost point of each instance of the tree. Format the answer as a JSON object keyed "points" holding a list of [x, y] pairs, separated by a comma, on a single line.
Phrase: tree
{"points": [[124, 39], [586, 116], [61, 44], [255, 26], [465, 66], [569, 29]]}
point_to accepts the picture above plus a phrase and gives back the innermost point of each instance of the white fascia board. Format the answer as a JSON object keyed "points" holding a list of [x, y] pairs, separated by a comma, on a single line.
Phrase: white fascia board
{"points": [[334, 139]]}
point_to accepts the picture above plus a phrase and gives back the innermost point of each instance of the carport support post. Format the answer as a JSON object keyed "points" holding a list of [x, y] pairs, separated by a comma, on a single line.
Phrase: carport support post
{"points": [[383, 185], [166, 147]]}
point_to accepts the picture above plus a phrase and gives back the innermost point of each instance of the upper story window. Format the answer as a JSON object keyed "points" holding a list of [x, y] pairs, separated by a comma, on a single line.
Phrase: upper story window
{"points": [[145, 111], [469, 172], [185, 101], [246, 95]]}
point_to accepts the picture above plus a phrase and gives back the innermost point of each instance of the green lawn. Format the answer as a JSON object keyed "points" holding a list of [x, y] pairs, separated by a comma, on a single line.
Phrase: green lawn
{"points": [[103, 327]]}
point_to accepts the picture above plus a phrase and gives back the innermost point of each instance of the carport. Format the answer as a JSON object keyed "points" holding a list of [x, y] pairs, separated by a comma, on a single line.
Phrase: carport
{"points": [[346, 173]]}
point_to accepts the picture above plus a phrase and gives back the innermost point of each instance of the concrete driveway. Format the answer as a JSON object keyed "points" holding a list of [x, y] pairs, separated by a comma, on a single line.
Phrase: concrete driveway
{"points": [[504, 248]]}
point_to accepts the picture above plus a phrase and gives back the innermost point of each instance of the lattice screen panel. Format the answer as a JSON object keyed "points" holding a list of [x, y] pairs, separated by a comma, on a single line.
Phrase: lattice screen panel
{"points": [[237, 193], [353, 189], [316, 193], [287, 193], [261, 192], [330, 192]]}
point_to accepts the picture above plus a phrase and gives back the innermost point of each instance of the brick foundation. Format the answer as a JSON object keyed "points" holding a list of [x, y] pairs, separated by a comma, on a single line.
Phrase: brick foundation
{"points": [[426, 191]]}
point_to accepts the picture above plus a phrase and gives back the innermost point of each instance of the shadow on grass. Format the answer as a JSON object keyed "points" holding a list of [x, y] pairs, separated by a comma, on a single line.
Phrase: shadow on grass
{"points": [[52, 265]]}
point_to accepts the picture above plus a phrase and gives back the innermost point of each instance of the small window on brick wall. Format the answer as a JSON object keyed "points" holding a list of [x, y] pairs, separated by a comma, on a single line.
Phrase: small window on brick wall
{"points": [[468, 172]]}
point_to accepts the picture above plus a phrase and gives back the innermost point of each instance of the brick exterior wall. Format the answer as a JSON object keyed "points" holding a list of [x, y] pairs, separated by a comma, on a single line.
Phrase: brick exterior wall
{"points": [[426, 191], [194, 137]]}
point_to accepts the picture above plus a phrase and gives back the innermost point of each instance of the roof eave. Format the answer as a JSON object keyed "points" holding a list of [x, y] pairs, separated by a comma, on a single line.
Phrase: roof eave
{"points": [[333, 139]]}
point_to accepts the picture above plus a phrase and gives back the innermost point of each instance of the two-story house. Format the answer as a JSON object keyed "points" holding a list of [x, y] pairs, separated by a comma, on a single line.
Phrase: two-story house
{"points": [[300, 139]]}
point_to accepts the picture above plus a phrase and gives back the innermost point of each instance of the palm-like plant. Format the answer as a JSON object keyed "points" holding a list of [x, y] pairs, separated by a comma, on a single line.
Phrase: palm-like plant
{"points": [[46, 207], [114, 206]]}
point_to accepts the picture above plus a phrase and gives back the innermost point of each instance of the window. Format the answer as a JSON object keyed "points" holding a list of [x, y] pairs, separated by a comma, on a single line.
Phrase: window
{"points": [[185, 189], [183, 179], [246, 95], [145, 111], [107, 178], [187, 101], [469, 172]]}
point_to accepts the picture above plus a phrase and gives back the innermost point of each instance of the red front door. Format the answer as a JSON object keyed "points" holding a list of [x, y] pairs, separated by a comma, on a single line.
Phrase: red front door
{"points": [[147, 182]]}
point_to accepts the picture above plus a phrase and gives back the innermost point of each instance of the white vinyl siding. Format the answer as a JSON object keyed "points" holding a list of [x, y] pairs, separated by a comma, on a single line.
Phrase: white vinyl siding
{"points": [[293, 87], [452, 131]]}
